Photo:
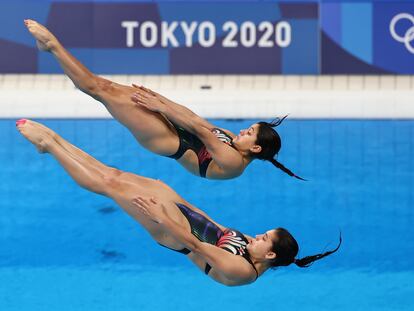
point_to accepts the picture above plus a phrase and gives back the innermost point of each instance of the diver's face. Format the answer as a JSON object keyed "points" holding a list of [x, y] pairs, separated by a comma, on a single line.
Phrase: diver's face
{"points": [[246, 140], [261, 246]]}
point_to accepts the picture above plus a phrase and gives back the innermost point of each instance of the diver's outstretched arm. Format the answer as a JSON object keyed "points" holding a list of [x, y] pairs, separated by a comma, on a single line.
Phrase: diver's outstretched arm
{"points": [[230, 268], [228, 160], [153, 99]]}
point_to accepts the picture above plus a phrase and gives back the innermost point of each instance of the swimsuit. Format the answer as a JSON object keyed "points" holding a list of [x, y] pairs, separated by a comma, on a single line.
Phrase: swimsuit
{"points": [[192, 142], [206, 231]]}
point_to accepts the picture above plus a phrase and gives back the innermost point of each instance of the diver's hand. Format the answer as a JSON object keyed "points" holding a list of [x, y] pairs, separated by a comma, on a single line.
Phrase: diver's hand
{"points": [[146, 90], [150, 208], [148, 101], [141, 89]]}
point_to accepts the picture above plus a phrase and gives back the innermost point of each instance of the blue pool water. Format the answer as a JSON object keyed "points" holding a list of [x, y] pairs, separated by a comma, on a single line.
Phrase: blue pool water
{"points": [[62, 248]]}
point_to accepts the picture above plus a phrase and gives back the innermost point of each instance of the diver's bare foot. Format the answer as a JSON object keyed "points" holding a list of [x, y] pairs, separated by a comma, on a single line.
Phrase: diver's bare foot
{"points": [[47, 130], [36, 135], [45, 40]]}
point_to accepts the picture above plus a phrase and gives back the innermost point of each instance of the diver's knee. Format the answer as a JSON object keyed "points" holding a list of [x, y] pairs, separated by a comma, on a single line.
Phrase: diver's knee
{"points": [[104, 86], [111, 179], [96, 86]]}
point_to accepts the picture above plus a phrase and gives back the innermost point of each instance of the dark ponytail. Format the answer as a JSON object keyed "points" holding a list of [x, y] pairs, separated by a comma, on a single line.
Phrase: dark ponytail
{"points": [[277, 121], [286, 248], [286, 170], [270, 141], [309, 260]]}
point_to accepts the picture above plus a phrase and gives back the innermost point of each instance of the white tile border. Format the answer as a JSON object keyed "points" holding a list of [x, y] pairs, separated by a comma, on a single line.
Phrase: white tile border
{"points": [[356, 97]]}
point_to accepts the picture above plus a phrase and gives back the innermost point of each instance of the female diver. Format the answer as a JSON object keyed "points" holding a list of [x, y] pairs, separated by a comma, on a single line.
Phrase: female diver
{"points": [[174, 131], [226, 255]]}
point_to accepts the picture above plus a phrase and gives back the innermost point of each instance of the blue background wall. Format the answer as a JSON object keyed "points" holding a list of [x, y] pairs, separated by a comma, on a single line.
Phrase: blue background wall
{"points": [[328, 37]]}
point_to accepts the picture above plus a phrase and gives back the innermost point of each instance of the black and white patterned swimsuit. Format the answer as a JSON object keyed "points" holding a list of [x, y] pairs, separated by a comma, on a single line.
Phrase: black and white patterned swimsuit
{"points": [[206, 231], [234, 242]]}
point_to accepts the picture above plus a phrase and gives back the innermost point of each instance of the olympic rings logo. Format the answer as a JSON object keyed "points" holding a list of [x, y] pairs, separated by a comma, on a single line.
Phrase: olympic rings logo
{"points": [[408, 37]]}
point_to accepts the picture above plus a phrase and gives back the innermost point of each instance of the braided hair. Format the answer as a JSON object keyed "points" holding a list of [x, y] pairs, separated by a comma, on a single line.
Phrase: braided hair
{"points": [[270, 141]]}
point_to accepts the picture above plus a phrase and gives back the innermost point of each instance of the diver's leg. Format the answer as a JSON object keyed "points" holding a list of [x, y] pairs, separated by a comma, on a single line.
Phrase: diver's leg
{"points": [[151, 129], [94, 176]]}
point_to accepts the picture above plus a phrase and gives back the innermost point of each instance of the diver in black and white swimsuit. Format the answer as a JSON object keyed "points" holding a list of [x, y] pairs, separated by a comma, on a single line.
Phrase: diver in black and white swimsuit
{"points": [[226, 255]]}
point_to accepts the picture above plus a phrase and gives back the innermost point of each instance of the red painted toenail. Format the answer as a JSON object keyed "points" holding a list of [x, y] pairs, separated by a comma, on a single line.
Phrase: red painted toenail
{"points": [[20, 122]]}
